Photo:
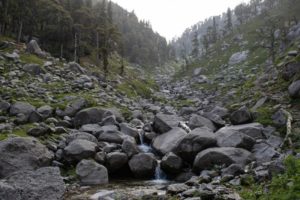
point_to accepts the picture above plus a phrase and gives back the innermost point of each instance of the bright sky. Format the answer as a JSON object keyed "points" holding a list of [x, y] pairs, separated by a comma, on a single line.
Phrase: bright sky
{"points": [[171, 17]]}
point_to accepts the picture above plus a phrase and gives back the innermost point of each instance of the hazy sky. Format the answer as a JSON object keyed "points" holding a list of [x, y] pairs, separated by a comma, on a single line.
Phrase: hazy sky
{"points": [[171, 17]]}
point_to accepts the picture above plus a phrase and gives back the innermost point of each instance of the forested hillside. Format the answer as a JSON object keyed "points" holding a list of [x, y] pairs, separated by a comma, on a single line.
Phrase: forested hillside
{"points": [[73, 29]]}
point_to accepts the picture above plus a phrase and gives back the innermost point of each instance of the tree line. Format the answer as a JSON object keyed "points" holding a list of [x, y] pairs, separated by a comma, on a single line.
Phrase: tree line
{"points": [[74, 29]]}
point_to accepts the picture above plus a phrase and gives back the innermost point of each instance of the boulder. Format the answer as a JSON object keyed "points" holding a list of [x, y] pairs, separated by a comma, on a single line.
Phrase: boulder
{"points": [[35, 117], [254, 130], [197, 121], [45, 183], [75, 106], [234, 138], [33, 69], [216, 119], [241, 116], [238, 57], [263, 152], [143, 165], [34, 48], [171, 163], [126, 129], [294, 89], [91, 173], [80, 135], [22, 154], [75, 67], [194, 142], [80, 149], [116, 161], [177, 188], [90, 116], [4, 106], [113, 137], [21, 108], [221, 156], [167, 142], [164, 123], [197, 71], [290, 70], [39, 131], [90, 128], [130, 148], [222, 112], [279, 118]]}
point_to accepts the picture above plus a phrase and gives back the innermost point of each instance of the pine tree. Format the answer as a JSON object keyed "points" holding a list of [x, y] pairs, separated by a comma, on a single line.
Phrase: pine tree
{"points": [[228, 25], [196, 45]]}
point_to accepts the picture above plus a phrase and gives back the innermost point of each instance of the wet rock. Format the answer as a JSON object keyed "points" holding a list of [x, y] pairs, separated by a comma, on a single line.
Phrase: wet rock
{"points": [[126, 129], [241, 116], [171, 163], [22, 154], [197, 121], [194, 142], [143, 165], [91, 173], [220, 156], [164, 123], [80, 149], [116, 161], [234, 138], [44, 183], [167, 142]]}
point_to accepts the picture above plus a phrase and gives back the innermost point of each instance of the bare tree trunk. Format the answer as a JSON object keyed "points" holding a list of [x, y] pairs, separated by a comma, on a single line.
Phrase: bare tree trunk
{"points": [[61, 50], [75, 47], [122, 67], [98, 51], [20, 32]]}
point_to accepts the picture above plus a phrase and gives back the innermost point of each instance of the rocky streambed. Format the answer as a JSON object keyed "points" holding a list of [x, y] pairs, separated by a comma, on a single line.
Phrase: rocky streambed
{"points": [[78, 150]]}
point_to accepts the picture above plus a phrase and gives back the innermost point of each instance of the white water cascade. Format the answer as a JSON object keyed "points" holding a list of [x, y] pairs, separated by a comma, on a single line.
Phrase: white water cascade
{"points": [[143, 146]]}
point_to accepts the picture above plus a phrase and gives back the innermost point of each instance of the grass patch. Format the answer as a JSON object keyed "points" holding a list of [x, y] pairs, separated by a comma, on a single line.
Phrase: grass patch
{"points": [[30, 58]]}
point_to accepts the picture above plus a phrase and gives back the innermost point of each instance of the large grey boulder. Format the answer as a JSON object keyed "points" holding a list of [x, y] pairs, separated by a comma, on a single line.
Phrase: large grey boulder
{"points": [[143, 165], [114, 137], [171, 163], [241, 116], [294, 89], [130, 148], [167, 142], [91, 128], [234, 138], [238, 57], [263, 152], [4, 106], [126, 129], [21, 108], [91, 173], [164, 123], [90, 116], [44, 183], [254, 130], [221, 156], [22, 154], [290, 70], [45, 111], [222, 112], [197, 121], [80, 149], [116, 161], [194, 142], [75, 106], [33, 69], [75, 67]]}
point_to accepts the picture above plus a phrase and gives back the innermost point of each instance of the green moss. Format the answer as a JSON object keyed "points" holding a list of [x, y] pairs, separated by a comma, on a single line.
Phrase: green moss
{"points": [[135, 88], [30, 58], [264, 115]]}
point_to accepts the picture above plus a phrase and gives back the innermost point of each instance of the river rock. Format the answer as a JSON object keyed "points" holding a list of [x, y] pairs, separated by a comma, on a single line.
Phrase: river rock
{"points": [[44, 183], [143, 165], [197, 121], [241, 116], [22, 154], [80, 135], [126, 129], [80, 149], [220, 156], [294, 89], [89, 116], [91, 173], [164, 123], [167, 142], [194, 142], [116, 161], [177, 188], [171, 163], [234, 138]]}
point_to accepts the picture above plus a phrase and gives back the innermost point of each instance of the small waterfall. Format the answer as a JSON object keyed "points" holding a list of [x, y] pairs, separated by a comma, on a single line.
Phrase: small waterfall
{"points": [[159, 173], [144, 147]]}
